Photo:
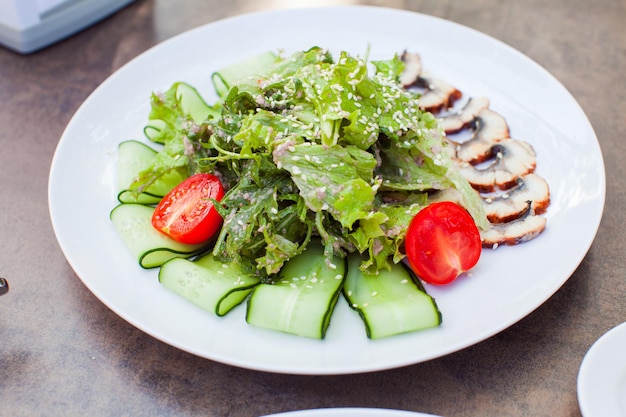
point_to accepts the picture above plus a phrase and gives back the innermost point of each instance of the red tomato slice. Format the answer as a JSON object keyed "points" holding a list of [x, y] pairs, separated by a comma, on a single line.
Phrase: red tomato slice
{"points": [[442, 242], [186, 213]]}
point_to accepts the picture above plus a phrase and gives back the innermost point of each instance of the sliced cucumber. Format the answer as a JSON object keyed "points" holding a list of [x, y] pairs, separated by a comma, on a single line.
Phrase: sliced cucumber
{"points": [[151, 248], [193, 104], [134, 157], [210, 284], [241, 72], [302, 298], [153, 130], [390, 303]]}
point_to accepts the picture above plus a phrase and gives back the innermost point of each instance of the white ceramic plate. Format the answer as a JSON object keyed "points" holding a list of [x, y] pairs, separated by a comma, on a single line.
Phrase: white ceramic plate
{"points": [[602, 376], [351, 412], [507, 284]]}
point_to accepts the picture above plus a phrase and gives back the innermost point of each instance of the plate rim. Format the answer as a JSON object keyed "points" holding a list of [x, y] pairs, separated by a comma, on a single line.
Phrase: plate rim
{"points": [[351, 412], [587, 374]]}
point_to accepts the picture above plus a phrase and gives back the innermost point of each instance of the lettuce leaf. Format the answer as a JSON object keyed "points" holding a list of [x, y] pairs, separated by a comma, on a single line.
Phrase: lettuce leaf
{"points": [[336, 179]]}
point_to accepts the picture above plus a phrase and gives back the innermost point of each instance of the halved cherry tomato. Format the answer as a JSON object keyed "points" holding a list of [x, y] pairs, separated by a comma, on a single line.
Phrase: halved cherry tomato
{"points": [[442, 242], [186, 213]]}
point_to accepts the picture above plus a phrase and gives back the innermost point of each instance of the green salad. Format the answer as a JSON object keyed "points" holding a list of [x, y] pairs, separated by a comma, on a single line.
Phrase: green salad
{"points": [[324, 162], [308, 145]]}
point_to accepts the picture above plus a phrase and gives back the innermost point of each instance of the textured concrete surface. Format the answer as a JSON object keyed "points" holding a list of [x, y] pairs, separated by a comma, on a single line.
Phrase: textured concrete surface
{"points": [[63, 353]]}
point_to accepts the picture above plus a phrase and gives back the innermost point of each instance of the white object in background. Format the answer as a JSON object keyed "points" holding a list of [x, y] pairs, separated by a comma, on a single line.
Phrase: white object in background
{"points": [[602, 376], [29, 25]]}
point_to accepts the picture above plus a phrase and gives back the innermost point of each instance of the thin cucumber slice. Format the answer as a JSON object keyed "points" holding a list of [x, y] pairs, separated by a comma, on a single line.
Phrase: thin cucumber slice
{"points": [[133, 158], [208, 283], [153, 130], [390, 303], [240, 73], [302, 298], [193, 104], [149, 246]]}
